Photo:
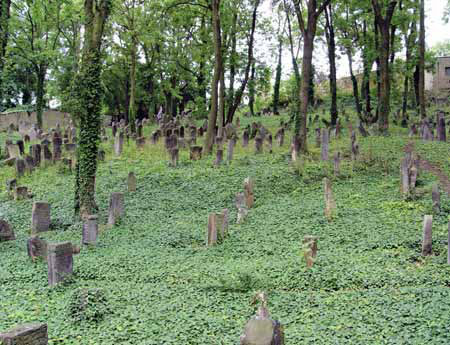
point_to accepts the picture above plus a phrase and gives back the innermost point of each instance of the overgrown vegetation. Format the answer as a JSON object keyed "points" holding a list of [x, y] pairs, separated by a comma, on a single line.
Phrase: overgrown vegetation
{"points": [[160, 285]]}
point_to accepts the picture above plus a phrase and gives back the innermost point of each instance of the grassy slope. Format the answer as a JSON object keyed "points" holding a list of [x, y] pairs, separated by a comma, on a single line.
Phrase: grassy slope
{"points": [[368, 286]]}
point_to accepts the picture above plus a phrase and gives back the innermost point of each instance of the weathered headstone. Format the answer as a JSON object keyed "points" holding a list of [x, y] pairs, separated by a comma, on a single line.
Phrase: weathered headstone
{"points": [[427, 235], [219, 157], [60, 262], [13, 150], [6, 231], [249, 192], [37, 248], [131, 182], [230, 151], [258, 145], [318, 137], [174, 155], [310, 250], [354, 146], [241, 207], [337, 164], [20, 167], [261, 329], [26, 334], [245, 138], [21, 193], [196, 153], [57, 150], [325, 144], [436, 198], [40, 217], [441, 133], [46, 154], [211, 233], [90, 230], [21, 146], [279, 136], [330, 204], [116, 208], [35, 152], [118, 143]]}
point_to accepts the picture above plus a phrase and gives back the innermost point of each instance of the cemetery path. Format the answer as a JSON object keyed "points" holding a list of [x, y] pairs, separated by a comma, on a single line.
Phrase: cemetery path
{"points": [[432, 168]]}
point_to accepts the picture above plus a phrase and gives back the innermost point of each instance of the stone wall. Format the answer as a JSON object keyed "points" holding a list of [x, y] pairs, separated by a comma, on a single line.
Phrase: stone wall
{"points": [[24, 121], [441, 80]]}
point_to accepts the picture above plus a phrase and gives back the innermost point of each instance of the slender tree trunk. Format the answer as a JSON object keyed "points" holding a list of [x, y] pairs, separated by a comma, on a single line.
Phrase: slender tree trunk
{"points": [[89, 93], [367, 69], [423, 113], [240, 92], [354, 83], [209, 140], [221, 99], [41, 72], [233, 58], [251, 90], [276, 87], [4, 34], [331, 43], [132, 107]]}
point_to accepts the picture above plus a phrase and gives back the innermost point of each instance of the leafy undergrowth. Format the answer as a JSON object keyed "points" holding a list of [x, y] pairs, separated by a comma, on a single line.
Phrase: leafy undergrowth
{"points": [[151, 280]]}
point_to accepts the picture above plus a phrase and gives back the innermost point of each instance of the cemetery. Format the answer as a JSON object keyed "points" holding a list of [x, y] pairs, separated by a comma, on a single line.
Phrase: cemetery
{"points": [[192, 189]]}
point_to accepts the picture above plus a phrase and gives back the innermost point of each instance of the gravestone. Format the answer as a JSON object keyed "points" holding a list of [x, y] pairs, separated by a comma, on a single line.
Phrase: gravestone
{"points": [[295, 148], [318, 138], [258, 145], [427, 235], [245, 138], [21, 146], [35, 153], [46, 154], [40, 217], [174, 154], [354, 146], [441, 133], [249, 192], [118, 143], [90, 230], [37, 248], [140, 142], [279, 136], [196, 153], [155, 137], [261, 329], [11, 185], [337, 164], [101, 155], [225, 223], [325, 143], [413, 130], [436, 198], [26, 334], [211, 233], [219, 157], [114, 129], [60, 262], [116, 208], [310, 250], [269, 140], [29, 164], [20, 167], [230, 151], [13, 150], [131, 182], [57, 150], [6, 231], [330, 204], [241, 207]]}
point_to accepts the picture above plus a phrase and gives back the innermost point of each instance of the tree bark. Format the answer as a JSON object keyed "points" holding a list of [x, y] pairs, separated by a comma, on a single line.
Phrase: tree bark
{"points": [[132, 106], [212, 119], [354, 83], [251, 90], [41, 72], [276, 87], [89, 93], [331, 43], [4, 33], [423, 113]]}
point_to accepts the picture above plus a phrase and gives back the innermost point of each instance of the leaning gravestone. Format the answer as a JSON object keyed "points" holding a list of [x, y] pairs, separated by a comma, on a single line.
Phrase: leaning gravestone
{"points": [[310, 249], [6, 232], [40, 217], [325, 144], [241, 207], [330, 204], [116, 208], [118, 143], [26, 334], [60, 262], [90, 230], [436, 197], [20, 167], [249, 192]]}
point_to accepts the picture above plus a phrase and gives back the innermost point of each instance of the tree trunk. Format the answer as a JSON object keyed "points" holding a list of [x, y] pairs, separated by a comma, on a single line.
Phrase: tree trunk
{"points": [[4, 33], [240, 92], [132, 107], [233, 58], [423, 113], [209, 140], [251, 90], [367, 69], [331, 43], [354, 83], [89, 94], [222, 99], [276, 87], [41, 71]]}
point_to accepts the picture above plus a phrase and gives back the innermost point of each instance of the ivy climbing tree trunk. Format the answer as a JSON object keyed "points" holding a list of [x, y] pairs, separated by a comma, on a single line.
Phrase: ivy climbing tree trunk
{"points": [[4, 33], [212, 119], [331, 43], [383, 22], [423, 113], [89, 95], [276, 86]]}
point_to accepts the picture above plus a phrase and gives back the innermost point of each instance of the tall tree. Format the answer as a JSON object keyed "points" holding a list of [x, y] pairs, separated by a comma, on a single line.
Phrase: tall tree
{"points": [[331, 43], [423, 113], [89, 95], [309, 33], [383, 17], [4, 33]]}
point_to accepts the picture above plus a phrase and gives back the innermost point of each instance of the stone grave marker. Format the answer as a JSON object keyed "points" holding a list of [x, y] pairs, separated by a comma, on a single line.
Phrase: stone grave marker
{"points": [[20, 167], [337, 164], [219, 157], [26, 334], [258, 145], [21, 146], [330, 204], [230, 151], [241, 207], [21, 193], [325, 144], [35, 153], [131, 182], [13, 150], [196, 153], [6, 231], [211, 233], [118, 143], [37, 248], [245, 138], [60, 262], [310, 250], [57, 151], [436, 198], [90, 230], [40, 217], [116, 208], [249, 192], [279, 136], [427, 235], [174, 154]]}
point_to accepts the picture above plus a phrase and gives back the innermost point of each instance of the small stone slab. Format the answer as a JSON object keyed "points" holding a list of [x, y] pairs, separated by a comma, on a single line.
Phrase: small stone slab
{"points": [[60, 262], [40, 217], [131, 182], [37, 248], [116, 208], [6, 232], [26, 334], [90, 230], [427, 235]]}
